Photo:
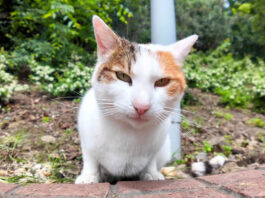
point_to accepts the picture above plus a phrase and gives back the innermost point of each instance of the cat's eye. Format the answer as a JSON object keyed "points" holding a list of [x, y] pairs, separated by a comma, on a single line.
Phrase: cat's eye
{"points": [[124, 77], [162, 82]]}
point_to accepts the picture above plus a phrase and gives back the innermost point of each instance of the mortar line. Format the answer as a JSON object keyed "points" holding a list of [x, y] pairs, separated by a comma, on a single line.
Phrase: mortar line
{"points": [[261, 168], [113, 191], [221, 188], [8, 193]]}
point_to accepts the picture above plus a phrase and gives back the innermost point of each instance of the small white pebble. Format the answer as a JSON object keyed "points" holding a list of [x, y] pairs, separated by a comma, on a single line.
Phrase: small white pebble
{"points": [[217, 161]]}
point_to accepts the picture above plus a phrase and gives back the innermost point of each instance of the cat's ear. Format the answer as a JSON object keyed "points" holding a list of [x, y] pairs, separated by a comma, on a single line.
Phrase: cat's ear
{"points": [[106, 39], [181, 48]]}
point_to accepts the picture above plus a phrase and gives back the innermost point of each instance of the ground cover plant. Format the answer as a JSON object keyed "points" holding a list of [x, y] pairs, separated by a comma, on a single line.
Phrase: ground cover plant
{"points": [[239, 82]]}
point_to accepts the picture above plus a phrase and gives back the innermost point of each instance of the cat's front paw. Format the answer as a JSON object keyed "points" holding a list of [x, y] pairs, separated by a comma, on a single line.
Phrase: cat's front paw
{"points": [[152, 176], [86, 179]]}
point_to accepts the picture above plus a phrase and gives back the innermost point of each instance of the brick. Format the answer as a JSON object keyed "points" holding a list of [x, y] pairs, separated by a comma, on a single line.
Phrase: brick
{"points": [[249, 182], [204, 193], [149, 186], [54, 190], [4, 188]]}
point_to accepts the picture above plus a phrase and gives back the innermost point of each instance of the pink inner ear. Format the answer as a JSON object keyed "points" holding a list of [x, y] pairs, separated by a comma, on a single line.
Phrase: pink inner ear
{"points": [[106, 38]]}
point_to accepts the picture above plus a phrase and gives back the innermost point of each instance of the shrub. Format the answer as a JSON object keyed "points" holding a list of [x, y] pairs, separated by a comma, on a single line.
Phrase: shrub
{"points": [[9, 84], [74, 79], [239, 82]]}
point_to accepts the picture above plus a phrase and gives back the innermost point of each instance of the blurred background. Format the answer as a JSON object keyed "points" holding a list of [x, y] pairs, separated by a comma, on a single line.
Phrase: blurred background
{"points": [[51, 44], [47, 54]]}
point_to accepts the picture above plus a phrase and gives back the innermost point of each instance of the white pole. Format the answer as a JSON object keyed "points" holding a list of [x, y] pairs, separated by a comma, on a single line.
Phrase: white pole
{"points": [[163, 30], [163, 23]]}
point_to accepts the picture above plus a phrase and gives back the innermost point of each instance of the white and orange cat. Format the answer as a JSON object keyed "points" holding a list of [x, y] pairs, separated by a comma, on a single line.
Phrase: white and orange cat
{"points": [[124, 118]]}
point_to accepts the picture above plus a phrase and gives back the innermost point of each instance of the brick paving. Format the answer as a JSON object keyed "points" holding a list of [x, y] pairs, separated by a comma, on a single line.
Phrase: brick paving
{"points": [[245, 183]]}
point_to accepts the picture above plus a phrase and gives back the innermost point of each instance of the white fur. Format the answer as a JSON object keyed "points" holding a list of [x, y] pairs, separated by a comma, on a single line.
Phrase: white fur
{"points": [[113, 140], [198, 168], [123, 146]]}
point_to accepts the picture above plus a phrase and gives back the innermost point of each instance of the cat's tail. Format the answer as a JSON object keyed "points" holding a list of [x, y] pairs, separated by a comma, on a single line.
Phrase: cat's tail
{"points": [[203, 168]]}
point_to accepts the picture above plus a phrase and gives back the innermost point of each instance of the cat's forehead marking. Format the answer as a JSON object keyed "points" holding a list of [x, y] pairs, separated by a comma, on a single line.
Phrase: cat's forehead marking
{"points": [[120, 59], [172, 71], [146, 65]]}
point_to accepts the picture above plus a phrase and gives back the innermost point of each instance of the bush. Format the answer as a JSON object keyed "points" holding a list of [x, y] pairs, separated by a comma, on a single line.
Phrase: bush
{"points": [[9, 84], [209, 19], [74, 79], [239, 82]]}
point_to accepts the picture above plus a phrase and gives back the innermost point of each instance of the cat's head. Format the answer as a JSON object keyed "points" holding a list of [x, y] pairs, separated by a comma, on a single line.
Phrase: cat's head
{"points": [[139, 84]]}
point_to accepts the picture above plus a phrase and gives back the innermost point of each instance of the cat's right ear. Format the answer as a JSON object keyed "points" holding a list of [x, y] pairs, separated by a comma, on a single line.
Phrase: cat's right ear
{"points": [[106, 39]]}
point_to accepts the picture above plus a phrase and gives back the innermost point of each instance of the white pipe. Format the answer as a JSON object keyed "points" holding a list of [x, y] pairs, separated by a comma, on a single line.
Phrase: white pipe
{"points": [[163, 23], [163, 30]]}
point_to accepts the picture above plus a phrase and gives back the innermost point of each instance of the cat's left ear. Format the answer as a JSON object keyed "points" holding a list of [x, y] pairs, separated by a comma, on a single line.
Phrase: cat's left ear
{"points": [[181, 48], [106, 39]]}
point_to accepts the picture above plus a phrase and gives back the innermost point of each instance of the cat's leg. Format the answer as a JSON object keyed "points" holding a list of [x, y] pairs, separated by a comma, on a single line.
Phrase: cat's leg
{"points": [[164, 156], [90, 172], [151, 172]]}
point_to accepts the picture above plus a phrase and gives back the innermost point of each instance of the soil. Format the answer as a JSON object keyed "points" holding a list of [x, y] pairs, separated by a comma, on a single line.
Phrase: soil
{"points": [[39, 141]]}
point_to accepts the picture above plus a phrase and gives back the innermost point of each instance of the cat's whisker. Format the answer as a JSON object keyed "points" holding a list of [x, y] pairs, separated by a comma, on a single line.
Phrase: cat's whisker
{"points": [[64, 97], [182, 110], [184, 118], [78, 93], [65, 105]]}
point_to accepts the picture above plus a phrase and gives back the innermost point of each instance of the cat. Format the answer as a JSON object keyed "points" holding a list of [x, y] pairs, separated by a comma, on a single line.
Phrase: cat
{"points": [[124, 119]]}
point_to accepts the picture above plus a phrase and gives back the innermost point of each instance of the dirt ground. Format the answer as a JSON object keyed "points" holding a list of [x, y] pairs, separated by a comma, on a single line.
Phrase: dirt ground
{"points": [[39, 140]]}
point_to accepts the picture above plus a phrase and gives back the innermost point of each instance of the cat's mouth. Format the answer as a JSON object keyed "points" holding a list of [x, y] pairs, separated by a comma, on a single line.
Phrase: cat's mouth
{"points": [[137, 118]]}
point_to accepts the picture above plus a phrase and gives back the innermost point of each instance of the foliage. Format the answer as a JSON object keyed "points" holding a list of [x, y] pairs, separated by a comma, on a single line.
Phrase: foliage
{"points": [[208, 19], [50, 42], [239, 82], [51, 30], [9, 83], [73, 79], [137, 27], [247, 36], [227, 149], [257, 122], [207, 147]]}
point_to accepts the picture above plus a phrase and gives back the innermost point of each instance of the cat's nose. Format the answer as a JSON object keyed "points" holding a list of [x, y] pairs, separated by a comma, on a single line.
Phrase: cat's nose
{"points": [[141, 109]]}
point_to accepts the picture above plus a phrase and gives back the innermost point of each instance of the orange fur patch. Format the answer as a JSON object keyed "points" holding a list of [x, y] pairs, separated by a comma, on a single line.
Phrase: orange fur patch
{"points": [[120, 59], [177, 84]]}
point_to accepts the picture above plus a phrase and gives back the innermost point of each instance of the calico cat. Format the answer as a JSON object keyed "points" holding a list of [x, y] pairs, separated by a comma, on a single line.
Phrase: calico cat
{"points": [[124, 118]]}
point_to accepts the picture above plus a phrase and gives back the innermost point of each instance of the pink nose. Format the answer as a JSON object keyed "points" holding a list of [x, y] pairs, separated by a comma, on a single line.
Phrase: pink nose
{"points": [[141, 109]]}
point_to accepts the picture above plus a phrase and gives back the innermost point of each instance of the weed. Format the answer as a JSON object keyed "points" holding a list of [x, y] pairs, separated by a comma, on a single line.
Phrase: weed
{"points": [[207, 147], [228, 116], [228, 138], [227, 149], [256, 122], [45, 119], [68, 131], [220, 114], [185, 124], [261, 137], [77, 100], [180, 162], [244, 143]]}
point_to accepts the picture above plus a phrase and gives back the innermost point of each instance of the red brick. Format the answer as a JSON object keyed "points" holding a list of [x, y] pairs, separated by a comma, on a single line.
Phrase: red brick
{"points": [[4, 188], [53, 190], [150, 186], [205, 193], [250, 182]]}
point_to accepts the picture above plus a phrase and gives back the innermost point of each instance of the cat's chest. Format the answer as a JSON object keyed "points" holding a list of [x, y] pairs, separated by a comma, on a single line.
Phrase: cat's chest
{"points": [[120, 164], [126, 154]]}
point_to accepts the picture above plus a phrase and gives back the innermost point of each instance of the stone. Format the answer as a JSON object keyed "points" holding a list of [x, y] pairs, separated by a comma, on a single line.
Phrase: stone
{"points": [[48, 139]]}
